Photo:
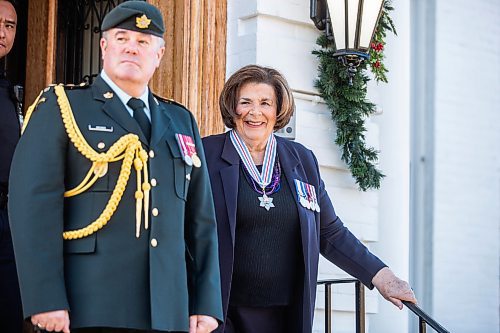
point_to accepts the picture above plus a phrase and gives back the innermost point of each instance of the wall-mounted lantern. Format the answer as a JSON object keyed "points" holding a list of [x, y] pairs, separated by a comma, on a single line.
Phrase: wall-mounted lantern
{"points": [[351, 25]]}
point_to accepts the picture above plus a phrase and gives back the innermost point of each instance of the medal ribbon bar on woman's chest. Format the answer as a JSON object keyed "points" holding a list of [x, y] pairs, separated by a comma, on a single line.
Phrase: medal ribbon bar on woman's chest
{"points": [[306, 194]]}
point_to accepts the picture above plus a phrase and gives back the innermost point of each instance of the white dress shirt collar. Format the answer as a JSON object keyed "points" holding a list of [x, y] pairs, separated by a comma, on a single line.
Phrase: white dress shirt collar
{"points": [[124, 97]]}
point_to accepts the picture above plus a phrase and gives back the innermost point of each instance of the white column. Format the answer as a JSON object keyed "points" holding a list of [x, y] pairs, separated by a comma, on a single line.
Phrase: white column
{"points": [[394, 199]]}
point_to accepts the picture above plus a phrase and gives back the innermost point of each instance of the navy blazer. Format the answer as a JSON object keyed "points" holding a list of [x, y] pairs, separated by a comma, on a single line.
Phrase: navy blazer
{"points": [[321, 232]]}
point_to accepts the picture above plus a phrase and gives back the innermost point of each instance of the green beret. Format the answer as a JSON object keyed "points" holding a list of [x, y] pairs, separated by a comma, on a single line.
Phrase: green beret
{"points": [[137, 16]]}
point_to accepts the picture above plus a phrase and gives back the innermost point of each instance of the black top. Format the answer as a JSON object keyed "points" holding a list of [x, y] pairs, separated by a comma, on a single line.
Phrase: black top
{"points": [[267, 251], [9, 132]]}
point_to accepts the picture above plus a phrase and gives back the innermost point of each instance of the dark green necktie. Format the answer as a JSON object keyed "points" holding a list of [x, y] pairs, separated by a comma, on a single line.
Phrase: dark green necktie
{"points": [[140, 116]]}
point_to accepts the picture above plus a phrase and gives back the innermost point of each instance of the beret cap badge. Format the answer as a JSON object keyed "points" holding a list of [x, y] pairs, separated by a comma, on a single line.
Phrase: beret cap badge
{"points": [[142, 22], [137, 16]]}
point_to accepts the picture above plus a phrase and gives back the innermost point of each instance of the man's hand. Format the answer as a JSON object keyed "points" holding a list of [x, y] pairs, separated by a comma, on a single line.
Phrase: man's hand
{"points": [[202, 324], [393, 288], [53, 321]]}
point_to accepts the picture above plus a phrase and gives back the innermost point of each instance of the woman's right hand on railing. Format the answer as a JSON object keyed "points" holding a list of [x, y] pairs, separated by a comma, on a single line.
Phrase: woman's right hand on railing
{"points": [[393, 288]]}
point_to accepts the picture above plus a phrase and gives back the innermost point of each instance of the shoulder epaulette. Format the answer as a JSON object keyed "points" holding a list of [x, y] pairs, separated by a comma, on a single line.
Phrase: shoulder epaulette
{"points": [[168, 100], [38, 100], [41, 98], [70, 86], [47, 89]]}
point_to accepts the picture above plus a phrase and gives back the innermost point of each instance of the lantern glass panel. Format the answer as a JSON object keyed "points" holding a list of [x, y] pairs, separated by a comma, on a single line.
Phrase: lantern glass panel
{"points": [[337, 17], [352, 21], [370, 14]]}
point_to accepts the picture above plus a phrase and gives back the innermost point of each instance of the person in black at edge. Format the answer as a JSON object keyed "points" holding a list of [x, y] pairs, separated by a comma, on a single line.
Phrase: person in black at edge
{"points": [[11, 318]]}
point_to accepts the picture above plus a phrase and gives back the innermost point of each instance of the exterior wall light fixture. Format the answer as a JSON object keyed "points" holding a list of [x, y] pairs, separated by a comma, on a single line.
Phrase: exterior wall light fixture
{"points": [[351, 25]]}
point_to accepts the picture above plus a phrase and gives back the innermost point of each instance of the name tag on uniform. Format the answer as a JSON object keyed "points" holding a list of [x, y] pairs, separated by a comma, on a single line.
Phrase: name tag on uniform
{"points": [[100, 128]]}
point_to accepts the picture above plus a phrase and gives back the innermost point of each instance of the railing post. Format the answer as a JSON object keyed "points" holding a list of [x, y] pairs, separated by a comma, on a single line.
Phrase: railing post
{"points": [[360, 307], [422, 326], [328, 308]]}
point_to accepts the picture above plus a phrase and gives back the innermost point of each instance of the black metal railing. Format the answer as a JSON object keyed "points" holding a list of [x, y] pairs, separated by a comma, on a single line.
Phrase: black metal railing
{"points": [[360, 303], [424, 318]]}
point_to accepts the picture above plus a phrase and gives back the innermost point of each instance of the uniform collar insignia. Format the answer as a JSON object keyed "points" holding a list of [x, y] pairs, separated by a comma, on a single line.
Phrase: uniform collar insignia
{"points": [[157, 103], [108, 95], [142, 22]]}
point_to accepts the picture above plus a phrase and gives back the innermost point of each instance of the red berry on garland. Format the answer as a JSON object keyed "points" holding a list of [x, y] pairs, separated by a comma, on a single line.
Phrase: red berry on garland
{"points": [[376, 64]]}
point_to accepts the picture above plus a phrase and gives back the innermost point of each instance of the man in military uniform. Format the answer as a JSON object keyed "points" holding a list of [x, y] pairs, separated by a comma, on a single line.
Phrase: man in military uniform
{"points": [[112, 214], [11, 318]]}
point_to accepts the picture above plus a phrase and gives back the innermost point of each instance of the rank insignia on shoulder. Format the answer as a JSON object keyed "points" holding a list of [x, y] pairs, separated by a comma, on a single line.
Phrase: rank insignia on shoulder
{"points": [[71, 86], [50, 86], [38, 102], [188, 150], [40, 99]]}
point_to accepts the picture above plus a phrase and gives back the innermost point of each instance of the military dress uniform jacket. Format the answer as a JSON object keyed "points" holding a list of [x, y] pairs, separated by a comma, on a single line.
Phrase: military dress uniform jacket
{"points": [[321, 232], [111, 278]]}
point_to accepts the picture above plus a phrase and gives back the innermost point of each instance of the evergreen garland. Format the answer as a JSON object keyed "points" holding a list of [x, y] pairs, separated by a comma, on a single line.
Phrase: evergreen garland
{"points": [[348, 103], [377, 46]]}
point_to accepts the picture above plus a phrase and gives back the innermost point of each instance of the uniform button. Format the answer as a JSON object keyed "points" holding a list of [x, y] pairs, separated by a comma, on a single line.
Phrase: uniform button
{"points": [[154, 242], [151, 154], [101, 145], [155, 211], [188, 176], [153, 182]]}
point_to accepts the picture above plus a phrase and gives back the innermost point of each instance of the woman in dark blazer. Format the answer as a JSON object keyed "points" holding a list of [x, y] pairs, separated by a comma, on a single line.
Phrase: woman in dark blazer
{"points": [[274, 216]]}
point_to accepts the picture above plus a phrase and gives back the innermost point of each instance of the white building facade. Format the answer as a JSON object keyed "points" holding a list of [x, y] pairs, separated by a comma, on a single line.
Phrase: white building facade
{"points": [[440, 153]]}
